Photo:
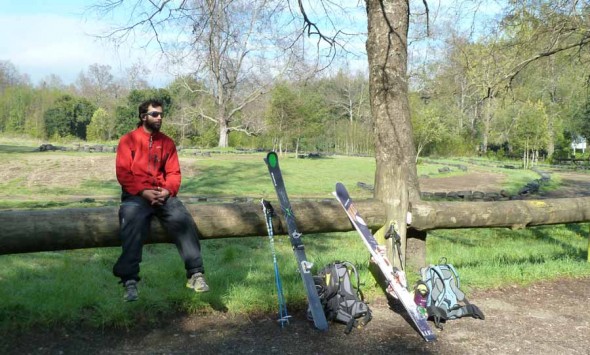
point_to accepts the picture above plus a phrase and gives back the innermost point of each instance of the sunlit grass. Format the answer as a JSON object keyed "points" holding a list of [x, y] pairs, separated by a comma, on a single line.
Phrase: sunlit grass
{"points": [[494, 257]]}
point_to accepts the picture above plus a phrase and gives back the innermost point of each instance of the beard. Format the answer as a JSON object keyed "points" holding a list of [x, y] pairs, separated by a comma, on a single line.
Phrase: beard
{"points": [[153, 126]]}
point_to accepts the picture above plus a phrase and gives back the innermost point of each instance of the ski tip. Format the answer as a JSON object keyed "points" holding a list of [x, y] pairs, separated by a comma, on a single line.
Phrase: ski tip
{"points": [[430, 337], [341, 191], [272, 159], [323, 327]]}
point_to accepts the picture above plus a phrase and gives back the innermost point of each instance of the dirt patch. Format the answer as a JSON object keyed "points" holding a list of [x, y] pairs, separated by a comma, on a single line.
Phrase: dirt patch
{"points": [[572, 185], [549, 317], [472, 181], [40, 170]]}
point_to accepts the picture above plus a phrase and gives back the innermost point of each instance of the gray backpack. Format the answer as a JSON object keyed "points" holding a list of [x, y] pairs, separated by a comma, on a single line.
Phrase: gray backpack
{"points": [[445, 299], [342, 300]]}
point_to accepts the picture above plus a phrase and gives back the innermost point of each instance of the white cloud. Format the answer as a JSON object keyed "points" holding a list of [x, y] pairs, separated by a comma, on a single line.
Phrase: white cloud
{"points": [[40, 45]]}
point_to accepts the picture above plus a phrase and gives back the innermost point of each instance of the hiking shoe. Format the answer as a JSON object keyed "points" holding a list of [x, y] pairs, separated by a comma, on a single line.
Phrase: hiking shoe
{"points": [[131, 293], [197, 283]]}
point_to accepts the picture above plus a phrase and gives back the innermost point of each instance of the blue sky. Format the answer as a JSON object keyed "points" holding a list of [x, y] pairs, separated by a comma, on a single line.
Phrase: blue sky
{"points": [[43, 37]]}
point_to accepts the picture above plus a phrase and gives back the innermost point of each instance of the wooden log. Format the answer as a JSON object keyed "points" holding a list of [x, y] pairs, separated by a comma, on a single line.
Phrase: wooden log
{"points": [[512, 214], [46, 230], [62, 229]]}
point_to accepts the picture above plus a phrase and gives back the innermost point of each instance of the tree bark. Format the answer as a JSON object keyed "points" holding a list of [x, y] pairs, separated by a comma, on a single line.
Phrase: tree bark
{"points": [[396, 181], [46, 230]]}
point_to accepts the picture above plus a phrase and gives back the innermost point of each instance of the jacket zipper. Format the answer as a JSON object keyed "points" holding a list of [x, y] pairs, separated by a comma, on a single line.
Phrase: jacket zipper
{"points": [[150, 160]]}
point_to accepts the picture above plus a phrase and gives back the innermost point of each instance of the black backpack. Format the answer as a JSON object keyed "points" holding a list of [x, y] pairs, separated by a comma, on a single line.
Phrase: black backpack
{"points": [[341, 301]]}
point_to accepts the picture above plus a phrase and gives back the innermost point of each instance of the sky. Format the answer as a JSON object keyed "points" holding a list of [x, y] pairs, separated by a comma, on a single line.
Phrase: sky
{"points": [[44, 37]]}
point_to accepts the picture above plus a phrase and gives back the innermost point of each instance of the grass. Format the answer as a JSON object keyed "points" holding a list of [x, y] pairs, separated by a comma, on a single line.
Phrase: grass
{"points": [[70, 287], [69, 179], [77, 288], [495, 257], [247, 175]]}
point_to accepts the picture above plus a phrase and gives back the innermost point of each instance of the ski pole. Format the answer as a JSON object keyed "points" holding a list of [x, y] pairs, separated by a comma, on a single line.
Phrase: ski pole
{"points": [[268, 213]]}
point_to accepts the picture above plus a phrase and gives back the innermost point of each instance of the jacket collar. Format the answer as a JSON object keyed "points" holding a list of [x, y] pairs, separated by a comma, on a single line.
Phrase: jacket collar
{"points": [[143, 133]]}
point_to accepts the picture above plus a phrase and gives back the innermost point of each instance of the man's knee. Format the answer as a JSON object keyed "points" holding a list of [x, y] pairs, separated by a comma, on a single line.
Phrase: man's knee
{"points": [[177, 212]]}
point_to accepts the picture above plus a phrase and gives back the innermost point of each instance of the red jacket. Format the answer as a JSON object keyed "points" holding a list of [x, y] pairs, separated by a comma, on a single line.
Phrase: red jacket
{"points": [[147, 161]]}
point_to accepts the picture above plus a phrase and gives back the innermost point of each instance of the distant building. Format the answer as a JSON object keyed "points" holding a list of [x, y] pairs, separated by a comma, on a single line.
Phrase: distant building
{"points": [[579, 143]]}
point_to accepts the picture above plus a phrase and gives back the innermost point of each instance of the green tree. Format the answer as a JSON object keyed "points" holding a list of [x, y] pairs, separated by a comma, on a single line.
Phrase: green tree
{"points": [[530, 133], [428, 124], [312, 112], [69, 116], [101, 126], [15, 107], [281, 115]]}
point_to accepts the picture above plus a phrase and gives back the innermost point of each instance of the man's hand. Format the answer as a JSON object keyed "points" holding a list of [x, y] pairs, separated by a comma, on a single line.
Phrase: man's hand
{"points": [[163, 195], [156, 197]]}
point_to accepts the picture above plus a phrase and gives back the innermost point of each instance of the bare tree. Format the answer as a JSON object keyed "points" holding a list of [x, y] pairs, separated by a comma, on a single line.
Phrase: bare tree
{"points": [[136, 77], [349, 96], [230, 45], [98, 85], [9, 75]]}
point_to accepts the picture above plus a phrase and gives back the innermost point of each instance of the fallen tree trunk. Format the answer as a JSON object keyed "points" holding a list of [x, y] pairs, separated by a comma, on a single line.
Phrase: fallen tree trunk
{"points": [[46, 230], [513, 214]]}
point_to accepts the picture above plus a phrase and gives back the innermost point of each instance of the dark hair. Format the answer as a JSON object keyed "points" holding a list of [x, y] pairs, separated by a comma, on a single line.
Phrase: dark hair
{"points": [[143, 108]]}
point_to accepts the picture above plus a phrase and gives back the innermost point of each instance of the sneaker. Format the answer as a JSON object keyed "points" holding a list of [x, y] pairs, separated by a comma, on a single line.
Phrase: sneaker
{"points": [[197, 282], [131, 293]]}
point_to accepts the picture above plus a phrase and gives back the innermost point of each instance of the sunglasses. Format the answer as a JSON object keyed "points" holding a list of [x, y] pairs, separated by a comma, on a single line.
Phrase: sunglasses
{"points": [[155, 114]]}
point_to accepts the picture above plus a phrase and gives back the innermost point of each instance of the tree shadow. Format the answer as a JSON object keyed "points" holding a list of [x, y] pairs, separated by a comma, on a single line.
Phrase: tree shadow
{"points": [[17, 149]]}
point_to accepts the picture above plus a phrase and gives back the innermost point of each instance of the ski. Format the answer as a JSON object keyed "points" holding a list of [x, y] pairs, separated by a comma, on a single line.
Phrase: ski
{"points": [[396, 280], [304, 266]]}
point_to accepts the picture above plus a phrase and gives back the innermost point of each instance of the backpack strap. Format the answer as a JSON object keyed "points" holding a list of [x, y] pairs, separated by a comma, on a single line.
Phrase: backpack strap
{"points": [[451, 278], [438, 314], [437, 274], [352, 322], [468, 310], [368, 316], [358, 279]]}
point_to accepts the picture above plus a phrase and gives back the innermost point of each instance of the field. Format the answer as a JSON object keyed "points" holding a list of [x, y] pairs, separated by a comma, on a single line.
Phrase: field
{"points": [[75, 289]]}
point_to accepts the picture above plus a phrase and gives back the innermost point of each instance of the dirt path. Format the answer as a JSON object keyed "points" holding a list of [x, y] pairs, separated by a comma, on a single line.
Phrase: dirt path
{"points": [[551, 317]]}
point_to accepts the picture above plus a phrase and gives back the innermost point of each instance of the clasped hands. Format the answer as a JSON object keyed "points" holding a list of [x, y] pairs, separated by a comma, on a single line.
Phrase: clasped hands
{"points": [[156, 197]]}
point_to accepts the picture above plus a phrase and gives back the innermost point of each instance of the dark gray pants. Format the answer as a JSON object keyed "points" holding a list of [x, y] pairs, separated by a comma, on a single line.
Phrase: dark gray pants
{"points": [[135, 215]]}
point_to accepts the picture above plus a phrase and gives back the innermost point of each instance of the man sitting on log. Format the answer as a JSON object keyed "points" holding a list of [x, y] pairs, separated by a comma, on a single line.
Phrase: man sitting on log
{"points": [[149, 173]]}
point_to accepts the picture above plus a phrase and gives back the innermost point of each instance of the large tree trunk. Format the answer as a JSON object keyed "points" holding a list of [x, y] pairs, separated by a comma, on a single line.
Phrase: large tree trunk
{"points": [[396, 181], [45, 230], [223, 134]]}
